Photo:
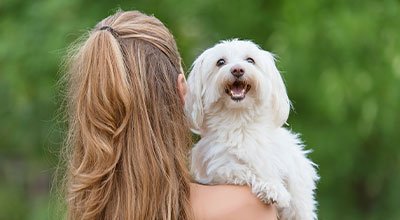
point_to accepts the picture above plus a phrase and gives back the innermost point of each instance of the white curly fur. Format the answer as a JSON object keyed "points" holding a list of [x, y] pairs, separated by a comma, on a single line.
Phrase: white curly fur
{"points": [[243, 142]]}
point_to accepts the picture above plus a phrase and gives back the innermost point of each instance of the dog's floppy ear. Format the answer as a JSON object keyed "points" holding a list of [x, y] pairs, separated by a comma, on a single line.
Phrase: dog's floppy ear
{"points": [[194, 99], [280, 100]]}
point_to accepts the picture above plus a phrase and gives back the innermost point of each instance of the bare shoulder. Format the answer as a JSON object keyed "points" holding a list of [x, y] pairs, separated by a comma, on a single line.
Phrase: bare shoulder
{"points": [[228, 202]]}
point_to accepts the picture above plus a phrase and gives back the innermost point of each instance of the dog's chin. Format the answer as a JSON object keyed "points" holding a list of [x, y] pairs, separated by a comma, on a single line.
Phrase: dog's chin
{"points": [[237, 90]]}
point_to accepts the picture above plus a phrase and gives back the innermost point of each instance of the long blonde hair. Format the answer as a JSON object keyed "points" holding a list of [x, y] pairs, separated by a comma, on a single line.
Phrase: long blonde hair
{"points": [[128, 137]]}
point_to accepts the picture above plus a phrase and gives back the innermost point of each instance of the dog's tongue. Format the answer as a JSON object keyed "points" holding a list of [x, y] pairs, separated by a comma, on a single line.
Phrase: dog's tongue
{"points": [[238, 89]]}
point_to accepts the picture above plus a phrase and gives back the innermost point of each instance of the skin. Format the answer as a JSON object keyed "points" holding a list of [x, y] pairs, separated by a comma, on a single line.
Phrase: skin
{"points": [[225, 201], [228, 202], [182, 87]]}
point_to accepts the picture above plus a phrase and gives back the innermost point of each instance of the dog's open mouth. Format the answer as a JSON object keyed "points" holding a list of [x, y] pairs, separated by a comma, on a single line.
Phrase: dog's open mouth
{"points": [[237, 90]]}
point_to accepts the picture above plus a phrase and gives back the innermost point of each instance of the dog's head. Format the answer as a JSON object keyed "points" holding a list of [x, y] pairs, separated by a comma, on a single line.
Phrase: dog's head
{"points": [[238, 74]]}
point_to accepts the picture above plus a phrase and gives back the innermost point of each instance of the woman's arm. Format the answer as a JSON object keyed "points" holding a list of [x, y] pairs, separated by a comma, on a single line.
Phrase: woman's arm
{"points": [[228, 202]]}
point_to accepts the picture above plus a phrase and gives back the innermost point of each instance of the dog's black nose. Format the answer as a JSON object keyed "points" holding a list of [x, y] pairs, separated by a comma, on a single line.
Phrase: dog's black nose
{"points": [[237, 71]]}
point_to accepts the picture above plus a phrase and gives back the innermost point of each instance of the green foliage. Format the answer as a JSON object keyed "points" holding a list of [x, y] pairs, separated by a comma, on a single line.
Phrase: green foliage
{"points": [[340, 60]]}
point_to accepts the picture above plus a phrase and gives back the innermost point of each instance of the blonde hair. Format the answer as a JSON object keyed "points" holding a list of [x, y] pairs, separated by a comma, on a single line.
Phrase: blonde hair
{"points": [[128, 137]]}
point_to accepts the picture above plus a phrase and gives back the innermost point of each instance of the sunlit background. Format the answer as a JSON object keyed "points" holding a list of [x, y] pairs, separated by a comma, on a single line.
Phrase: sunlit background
{"points": [[340, 60]]}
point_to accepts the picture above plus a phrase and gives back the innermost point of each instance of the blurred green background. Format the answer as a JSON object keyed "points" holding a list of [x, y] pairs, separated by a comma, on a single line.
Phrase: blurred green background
{"points": [[340, 60]]}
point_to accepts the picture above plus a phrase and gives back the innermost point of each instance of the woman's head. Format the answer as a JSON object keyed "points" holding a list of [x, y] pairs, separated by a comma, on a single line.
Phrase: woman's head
{"points": [[128, 136]]}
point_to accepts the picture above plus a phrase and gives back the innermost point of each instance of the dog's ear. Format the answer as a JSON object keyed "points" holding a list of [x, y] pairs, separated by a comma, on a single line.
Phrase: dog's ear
{"points": [[194, 99], [280, 100]]}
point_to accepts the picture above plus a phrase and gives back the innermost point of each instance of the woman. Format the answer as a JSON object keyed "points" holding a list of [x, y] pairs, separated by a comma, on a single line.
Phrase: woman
{"points": [[128, 137]]}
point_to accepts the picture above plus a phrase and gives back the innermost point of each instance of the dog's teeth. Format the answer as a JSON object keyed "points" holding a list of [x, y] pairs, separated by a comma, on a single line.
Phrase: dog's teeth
{"points": [[237, 90], [238, 94]]}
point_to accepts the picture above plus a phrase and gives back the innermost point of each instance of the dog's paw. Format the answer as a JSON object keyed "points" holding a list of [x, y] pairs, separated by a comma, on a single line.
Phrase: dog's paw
{"points": [[272, 193]]}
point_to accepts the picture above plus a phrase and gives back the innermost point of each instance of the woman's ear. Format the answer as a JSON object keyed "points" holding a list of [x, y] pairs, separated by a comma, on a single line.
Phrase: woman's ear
{"points": [[182, 87]]}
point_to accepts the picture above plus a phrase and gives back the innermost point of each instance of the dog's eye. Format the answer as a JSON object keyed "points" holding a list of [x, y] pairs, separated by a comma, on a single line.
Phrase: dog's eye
{"points": [[220, 62], [250, 60]]}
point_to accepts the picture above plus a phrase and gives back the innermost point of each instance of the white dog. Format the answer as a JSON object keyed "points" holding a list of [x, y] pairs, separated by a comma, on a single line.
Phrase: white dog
{"points": [[237, 102]]}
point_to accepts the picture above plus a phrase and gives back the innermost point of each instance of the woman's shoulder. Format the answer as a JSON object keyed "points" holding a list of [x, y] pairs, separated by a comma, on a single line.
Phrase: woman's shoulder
{"points": [[228, 202]]}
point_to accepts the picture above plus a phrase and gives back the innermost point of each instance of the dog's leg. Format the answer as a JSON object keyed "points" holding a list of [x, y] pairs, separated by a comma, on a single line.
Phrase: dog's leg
{"points": [[301, 185], [235, 174], [266, 183], [271, 191]]}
